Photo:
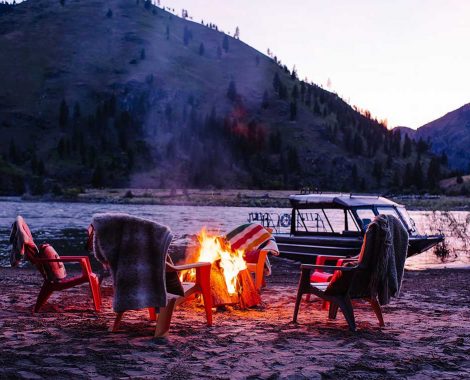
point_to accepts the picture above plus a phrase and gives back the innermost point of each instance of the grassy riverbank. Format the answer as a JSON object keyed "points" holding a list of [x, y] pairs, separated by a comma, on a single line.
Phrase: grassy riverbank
{"points": [[234, 197]]}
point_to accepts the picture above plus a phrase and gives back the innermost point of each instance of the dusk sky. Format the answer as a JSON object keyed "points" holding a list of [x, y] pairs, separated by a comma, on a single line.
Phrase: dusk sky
{"points": [[404, 60]]}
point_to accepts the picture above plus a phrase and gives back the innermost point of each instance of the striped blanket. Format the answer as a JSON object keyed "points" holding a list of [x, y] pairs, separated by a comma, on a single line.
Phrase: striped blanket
{"points": [[253, 236]]}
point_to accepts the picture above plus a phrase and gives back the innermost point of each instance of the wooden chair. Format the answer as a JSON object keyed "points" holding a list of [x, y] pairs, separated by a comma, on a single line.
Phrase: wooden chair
{"points": [[202, 286], [341, 299], [321, 276], [50, 285], [348, 282]]}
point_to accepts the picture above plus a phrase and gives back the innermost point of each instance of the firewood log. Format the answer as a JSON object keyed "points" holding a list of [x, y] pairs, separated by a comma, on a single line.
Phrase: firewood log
{"points": [[248, 295]]}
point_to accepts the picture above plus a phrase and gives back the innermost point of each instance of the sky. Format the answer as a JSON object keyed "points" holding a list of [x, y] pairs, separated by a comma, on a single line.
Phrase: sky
{"points": [[406, 61]]}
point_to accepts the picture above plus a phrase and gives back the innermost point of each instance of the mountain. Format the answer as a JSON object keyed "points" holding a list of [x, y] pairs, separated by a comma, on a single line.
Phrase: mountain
{"points": [[123, 93], [450, 134]]}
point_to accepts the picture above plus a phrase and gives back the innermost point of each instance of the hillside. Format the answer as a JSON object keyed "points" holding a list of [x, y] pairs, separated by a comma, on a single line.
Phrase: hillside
{"points": [[450, 134], [123, 93]]}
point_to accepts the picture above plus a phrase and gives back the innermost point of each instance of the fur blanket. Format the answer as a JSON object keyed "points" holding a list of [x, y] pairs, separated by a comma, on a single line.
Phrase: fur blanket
{"points": [[390, 254], [135, 250]]}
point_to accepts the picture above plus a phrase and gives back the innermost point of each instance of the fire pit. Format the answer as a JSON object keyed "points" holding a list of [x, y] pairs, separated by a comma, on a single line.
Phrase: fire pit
{"points": [[231, 282]]}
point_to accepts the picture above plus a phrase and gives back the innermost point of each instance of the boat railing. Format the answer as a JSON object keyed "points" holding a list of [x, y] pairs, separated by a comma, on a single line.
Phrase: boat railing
{"points": [[309, 221], [270, 220]]}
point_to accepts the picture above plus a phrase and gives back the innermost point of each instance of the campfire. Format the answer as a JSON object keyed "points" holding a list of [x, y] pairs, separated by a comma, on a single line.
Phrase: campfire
{"points": [[231, 282]]}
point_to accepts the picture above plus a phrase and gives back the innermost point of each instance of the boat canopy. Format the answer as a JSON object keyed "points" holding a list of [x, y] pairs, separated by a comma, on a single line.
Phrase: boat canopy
{"points": [[338, 200]]}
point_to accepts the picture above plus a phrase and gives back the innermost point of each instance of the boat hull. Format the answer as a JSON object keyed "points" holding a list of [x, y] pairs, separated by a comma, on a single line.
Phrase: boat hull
{"points": [[306, 248]]}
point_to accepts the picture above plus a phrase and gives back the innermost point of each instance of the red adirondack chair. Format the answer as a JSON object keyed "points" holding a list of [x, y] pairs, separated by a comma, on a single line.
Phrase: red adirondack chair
{"points": [[46, 268]]}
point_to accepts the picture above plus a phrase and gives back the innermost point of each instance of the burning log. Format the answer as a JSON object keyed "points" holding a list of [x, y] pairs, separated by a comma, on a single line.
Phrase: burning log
{"points": [[248, 295], [220, 294]]}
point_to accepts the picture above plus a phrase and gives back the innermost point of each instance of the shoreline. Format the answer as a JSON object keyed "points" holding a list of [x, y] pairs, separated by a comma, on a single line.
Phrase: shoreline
{"points": [[225, 198]]}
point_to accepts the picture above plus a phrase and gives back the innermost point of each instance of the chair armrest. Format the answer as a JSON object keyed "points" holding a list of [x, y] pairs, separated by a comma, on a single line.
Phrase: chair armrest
{"points": [[84, 262], [309, 267], [342, 261], [188, 266], [321, 259], [67, 259]]}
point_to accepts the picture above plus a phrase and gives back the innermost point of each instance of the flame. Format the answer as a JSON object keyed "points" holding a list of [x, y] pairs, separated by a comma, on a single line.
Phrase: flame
{"points": [[213, 248]]}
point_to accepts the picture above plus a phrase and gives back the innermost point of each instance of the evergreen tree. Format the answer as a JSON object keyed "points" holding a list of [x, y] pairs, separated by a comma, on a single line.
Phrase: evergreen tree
{"points": [[444, 159], [276, 82], [434, 172], [61, 148], [295, 93], [293, 75], [13, 152], [377, 171], [76, 112], [293, 111], [357, 144], [232, 91], [265, 102], [408, 178], [282, 91], [422, 146], [418, 174], [167, 32], [201, 49], [293, 160], [275, 142], [407, 147], [354, 177], [142, 54], [63, 114], [109, 14], [225, 43], [97, 178], [396, 179]]}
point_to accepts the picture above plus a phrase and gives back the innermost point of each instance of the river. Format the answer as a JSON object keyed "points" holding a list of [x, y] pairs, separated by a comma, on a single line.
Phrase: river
{"points": [[64, 224]]}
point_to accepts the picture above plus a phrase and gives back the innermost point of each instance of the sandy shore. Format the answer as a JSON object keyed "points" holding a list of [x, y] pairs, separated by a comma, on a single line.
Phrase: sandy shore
{"points": [[427, 335]]}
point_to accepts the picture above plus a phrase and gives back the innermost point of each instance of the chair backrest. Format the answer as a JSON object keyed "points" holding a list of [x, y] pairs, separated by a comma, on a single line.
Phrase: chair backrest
{"points": [[380, 258], [30, 249], [357, 282]]}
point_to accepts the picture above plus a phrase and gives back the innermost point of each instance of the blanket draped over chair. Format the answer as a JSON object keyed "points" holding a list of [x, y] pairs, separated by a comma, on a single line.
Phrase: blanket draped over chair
{"points": [[384, 252], [253, 236], [135, 250]]}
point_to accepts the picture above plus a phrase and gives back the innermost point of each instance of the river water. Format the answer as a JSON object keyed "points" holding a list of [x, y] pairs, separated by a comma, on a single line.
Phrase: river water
{"points": [[64, 224]]}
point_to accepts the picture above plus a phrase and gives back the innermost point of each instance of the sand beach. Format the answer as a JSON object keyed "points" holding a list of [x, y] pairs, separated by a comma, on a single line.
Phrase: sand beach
{"points": [[427, 335]]}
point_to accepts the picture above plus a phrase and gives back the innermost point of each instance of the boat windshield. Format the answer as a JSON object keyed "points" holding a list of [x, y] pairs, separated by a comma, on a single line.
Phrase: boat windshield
{"points": [[408, 220], [366, 215], [326, 221]]}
